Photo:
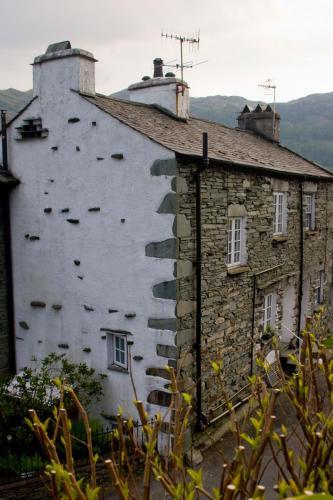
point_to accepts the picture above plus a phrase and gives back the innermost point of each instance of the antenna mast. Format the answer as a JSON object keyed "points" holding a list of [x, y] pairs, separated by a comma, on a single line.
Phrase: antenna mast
{"points": [[191, 40], [269, 84]]}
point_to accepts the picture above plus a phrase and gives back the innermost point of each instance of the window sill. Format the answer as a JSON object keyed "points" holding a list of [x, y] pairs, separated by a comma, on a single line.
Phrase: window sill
{"points": [[280, 238], [237, 270], [311, 232], [117, 368]]}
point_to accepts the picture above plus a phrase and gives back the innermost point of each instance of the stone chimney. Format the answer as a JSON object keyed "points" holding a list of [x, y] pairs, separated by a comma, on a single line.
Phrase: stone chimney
{"points": [[167, 92], [262, 120], [61, 69]]}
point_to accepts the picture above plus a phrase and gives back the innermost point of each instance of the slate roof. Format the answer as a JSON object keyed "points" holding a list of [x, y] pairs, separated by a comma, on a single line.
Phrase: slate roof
{"points": [[228, 145]]}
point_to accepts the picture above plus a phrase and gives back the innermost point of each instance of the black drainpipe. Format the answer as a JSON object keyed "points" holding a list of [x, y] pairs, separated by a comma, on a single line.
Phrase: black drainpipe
{"points": [[8, 250], [301, 260], [253, 321], [204, 164]]}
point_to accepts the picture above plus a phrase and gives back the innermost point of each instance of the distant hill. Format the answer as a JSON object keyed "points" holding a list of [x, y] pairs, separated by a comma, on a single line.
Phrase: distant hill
{"points": [[306, 123], [13, 100]]}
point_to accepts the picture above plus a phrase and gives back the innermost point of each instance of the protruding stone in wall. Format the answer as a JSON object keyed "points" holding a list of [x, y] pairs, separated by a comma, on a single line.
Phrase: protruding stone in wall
{"points": [[78, 148], [64, 210], [77, 262], [185, 307], [63, 346], [185, 337], [117, 156], [179, 185], [167, 351], [112, 311], [73, 120], [165, 290], [94, 209], [160, 398], [99, 158], [73, 221], [138, 358], [37, 303], [163, 324], [34, 238], [164, 167], [183, 268], [112, 330], [130, 315], [159, 372], [24, 325], [88, 308], [54, 148], [86, 349], [168, 205], [162, 249], [47, 210], [57, 307], [181, 226]]}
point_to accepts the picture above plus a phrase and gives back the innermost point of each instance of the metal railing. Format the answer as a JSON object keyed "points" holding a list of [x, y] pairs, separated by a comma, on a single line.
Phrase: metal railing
{"points": [[29, 462]]}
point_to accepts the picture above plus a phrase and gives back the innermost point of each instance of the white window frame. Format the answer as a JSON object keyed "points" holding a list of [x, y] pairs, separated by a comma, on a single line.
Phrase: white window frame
{"points": [[268, 311], [310, 221], [117, 351], [236, 241], [280, 213], [319, 289]]}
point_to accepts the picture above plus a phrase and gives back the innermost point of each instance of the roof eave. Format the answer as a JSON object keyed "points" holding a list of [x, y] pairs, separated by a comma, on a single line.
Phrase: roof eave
{"points": [[261, 169]]}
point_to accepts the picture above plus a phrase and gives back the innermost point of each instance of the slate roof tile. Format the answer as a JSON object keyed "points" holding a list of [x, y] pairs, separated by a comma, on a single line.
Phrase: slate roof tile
{"points": [[226, 144]]}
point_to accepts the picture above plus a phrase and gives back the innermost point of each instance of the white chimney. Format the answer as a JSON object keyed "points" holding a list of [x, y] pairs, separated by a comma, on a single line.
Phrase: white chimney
{"points": [[61, 69], [167, 92]]}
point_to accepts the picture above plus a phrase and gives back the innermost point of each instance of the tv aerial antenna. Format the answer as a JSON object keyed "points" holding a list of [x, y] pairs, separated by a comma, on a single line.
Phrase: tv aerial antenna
{"points": [[182, 39], [270, 85]]}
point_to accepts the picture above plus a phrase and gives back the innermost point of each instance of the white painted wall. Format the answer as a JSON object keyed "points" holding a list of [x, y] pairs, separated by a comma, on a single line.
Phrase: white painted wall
{"points": [[288, 305], [168, 96], [116, 273]]}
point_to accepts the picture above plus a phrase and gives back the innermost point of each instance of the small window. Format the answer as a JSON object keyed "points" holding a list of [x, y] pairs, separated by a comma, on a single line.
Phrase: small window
{"points": [[319, 288], [310, 212], [235, 241], [279, 221], [268, 310], [117, 351]]}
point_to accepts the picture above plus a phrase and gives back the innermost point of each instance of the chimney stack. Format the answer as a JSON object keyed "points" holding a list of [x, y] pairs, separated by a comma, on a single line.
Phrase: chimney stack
{"points": [[167, 92], [62, 69], [262, 120]]}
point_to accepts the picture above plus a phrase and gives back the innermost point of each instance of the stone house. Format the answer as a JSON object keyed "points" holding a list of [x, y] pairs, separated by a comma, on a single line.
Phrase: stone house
{"points": [[134, 247]]}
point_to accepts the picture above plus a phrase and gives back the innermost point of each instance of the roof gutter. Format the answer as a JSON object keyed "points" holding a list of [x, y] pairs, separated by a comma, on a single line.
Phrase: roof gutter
{"points": [[262, 170]]}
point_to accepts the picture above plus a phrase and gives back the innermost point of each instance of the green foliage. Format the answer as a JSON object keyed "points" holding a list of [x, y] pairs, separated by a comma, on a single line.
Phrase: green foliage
{"points": [[34, 387]]}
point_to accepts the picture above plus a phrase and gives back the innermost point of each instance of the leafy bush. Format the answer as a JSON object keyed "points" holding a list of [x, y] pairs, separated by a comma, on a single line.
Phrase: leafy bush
{"points": [[301, 471], [34, 387]]}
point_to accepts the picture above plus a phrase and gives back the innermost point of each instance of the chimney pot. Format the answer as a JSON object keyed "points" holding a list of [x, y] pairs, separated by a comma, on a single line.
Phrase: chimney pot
{"points": [[158, 67]]}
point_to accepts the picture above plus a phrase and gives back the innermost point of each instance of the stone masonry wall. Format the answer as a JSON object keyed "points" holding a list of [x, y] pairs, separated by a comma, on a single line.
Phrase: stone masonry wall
{"points": [[227, 295]]}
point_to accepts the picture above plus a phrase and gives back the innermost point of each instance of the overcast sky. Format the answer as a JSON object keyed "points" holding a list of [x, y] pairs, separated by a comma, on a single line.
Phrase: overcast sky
{"points": [[244, 41]]}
